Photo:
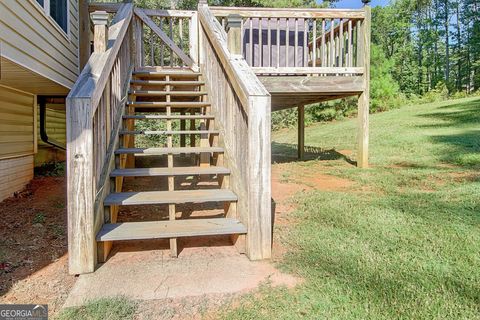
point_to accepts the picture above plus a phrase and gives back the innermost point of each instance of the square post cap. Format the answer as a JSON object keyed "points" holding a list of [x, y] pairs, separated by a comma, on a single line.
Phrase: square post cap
{"points": [[99, 18], [234, 21]]}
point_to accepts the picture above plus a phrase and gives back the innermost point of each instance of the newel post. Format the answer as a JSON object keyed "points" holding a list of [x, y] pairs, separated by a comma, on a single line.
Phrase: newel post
{"points": [[100, 35], [363, 58], [234, 24]]}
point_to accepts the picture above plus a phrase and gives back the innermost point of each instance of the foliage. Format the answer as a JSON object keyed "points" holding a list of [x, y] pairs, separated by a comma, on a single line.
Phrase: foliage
{"points": [[402, 242], [118, 308], [51, 169]]}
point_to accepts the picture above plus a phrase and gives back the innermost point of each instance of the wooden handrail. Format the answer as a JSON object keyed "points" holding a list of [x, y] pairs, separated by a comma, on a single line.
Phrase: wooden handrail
{"points": [[243, 79], [242, 107], [91, 82], [94, 105], [289, 12]]}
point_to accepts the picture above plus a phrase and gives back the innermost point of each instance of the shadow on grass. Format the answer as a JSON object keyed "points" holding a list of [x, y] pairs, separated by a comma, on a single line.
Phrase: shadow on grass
{"points": [[463, 148], [286, 152], [455, 115]]}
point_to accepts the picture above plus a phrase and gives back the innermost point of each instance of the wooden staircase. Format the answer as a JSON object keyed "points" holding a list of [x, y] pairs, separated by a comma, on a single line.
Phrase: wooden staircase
{"points": [[171, 96]]}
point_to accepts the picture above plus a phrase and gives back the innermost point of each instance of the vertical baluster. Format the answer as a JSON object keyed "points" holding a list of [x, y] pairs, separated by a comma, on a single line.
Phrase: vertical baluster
{"points": [[278, 43], [250, 40], [305, 43], [350, 43], [332, 42], [295, 54], [323, 52], [341, 45], [170, 25], [162, 45], [152, 51], [180, 34], [287, 41], [260, 42], [269, 43], [314, 44], [242, 40], [223, 22]]}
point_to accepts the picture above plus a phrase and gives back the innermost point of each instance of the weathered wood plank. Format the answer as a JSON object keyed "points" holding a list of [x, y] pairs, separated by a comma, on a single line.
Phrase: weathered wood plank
{"points": [[162, 151], [169, 229], [170, 197], [301, 85], [256, 12], [307, 70], [176, 171]]}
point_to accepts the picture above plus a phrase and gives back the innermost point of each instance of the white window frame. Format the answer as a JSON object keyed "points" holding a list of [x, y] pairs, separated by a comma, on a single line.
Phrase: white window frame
{"points": [[46, 11]]}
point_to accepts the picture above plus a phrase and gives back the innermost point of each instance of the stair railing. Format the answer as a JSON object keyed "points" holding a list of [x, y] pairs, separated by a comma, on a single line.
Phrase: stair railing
{"points": [[241, 105], [95, 107]]}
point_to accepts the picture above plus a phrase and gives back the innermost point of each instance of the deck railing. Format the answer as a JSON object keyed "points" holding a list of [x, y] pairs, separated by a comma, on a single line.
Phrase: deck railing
{"points": [[299, 41], [242, 108], [166, 38], [95, 107]]}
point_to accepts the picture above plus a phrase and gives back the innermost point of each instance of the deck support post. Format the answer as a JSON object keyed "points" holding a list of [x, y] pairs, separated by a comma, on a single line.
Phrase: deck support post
{"points": [[301, 132], [84, 33], [364, 98]]}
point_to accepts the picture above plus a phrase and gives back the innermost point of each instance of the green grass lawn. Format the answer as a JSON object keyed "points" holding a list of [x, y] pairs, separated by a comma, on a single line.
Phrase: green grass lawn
{"points": [[404, 241]]}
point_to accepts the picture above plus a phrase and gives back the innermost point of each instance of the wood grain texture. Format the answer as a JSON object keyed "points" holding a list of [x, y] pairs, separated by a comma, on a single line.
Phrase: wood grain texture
{"points": [[162, 151], [169, 197], [169, 229], [176, 171]]}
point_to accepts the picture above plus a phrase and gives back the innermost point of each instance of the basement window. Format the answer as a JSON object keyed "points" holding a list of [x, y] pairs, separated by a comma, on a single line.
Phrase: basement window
{"points": [[57, 10]]}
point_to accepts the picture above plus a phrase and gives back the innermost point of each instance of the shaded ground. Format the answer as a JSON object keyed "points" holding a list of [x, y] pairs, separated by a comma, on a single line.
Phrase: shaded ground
{"points": [[33, 245]]}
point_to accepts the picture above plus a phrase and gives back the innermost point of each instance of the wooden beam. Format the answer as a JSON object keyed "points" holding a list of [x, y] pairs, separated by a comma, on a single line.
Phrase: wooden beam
{"points": [[103, 6], [164, 37], [301, 132], [307, 70], [84, 33], [302, 85], [364, 98], [256, 12]]}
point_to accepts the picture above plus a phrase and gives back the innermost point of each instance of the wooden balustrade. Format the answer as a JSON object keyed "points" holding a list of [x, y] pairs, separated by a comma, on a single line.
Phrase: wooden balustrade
{"points": [[242, 108], [168, 38], [299, 41], [95, 107]]}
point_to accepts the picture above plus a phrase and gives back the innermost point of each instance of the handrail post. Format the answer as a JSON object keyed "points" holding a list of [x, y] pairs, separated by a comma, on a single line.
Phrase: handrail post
{"points": [[234, 36], [364, 97], [100, 40]]}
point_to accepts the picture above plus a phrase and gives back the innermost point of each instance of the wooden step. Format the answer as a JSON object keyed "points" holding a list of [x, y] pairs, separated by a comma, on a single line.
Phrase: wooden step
{"points": [[165, 117], [156, 104], [163, 151], [170, 229], [170, 197], [164, 82], [177, 171], [171, 73], [155, 93], [169, 132]]}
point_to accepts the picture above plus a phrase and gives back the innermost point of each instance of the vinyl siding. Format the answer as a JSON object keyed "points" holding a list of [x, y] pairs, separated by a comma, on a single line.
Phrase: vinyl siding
{"points": [[17, 135], [15, 174], [31, 39]]}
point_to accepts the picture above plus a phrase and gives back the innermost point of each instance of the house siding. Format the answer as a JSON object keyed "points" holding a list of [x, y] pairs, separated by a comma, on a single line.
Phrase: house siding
{"points": [[17, 140], [31, 39]]}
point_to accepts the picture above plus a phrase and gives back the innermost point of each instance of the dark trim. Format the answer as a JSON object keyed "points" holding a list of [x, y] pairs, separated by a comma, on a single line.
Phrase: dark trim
{"points": [[42, 102]]}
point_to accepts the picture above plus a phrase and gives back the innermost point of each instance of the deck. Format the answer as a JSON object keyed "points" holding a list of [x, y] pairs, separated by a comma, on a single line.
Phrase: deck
{"points": [[220, 72]]}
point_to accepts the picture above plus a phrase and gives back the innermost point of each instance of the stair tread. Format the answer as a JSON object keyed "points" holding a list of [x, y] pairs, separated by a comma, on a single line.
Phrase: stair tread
{"points": [[170, 82], [170, 197], [170, 229], [164, 93], [167, 132], [188, 104], [177, 171], [161, 151], [173, 117], [167, 72]]}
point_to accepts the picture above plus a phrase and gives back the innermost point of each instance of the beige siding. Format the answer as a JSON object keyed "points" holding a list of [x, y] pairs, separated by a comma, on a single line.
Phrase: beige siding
{"points": [[16, 123], [56, 127], [33, 40], [15, 174]]}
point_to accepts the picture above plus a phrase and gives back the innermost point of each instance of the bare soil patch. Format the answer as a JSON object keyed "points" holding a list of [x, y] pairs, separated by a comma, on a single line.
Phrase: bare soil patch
{"points": [[33, 246]]}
